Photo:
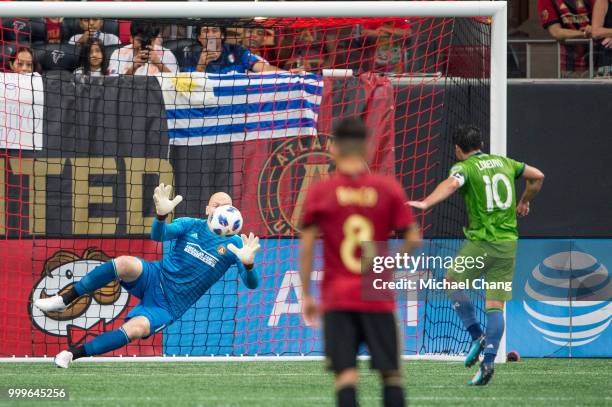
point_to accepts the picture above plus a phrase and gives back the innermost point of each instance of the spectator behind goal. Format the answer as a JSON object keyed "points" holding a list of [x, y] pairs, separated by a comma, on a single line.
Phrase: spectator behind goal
{"points": [[217, 56], [91, 31], [602, 30], [143, 56], [392, 39], [92, 59], [53, 26], [569, 19], [302, 49], [261, 41], [24, 62]]}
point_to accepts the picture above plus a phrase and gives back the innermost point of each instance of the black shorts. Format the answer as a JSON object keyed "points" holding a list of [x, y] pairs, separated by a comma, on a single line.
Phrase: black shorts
{"points": [[344, 331]]}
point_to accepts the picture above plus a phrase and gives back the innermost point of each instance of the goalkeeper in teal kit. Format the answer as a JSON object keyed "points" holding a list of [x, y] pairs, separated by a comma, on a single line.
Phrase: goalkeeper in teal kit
{"points": [[167, 288]]}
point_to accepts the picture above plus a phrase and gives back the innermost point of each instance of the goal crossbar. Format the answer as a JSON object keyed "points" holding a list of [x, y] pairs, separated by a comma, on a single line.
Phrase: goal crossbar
{"points": [[228, 9]]}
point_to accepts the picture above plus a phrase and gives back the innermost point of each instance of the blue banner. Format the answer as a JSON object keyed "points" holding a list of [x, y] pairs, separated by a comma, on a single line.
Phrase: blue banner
{"points": [[232, 320], [540, 325]]}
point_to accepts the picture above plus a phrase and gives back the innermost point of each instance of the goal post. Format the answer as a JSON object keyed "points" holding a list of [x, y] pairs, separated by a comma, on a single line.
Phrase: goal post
{"points": [[98, 188]]}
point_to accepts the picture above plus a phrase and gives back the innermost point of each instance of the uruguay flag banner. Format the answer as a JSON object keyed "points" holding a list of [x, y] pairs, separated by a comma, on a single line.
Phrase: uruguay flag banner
{"points": [[218, 108]]}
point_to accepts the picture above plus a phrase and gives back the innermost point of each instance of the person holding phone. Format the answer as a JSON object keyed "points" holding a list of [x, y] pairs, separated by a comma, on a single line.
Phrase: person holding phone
{"points": [[92, 31], [217, 56], [144, 56]]}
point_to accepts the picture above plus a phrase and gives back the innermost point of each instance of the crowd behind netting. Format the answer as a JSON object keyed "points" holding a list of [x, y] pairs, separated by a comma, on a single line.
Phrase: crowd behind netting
{"points": [[98, 47]]}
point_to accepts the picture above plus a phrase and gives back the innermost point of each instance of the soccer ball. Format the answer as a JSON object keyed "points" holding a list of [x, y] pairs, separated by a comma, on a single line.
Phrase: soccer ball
{"points": [[225, 221]]}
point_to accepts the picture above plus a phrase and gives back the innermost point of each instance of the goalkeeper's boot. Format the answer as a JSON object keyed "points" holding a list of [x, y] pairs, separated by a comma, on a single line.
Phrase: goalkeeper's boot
{"points": [[474, 353], [484, 375], [51, 304], [63, 359]]}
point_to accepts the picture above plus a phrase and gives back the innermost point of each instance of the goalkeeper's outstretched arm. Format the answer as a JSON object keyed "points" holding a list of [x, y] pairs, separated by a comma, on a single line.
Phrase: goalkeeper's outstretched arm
{"points": [[245, 258], [160, 231], [248, 276]]}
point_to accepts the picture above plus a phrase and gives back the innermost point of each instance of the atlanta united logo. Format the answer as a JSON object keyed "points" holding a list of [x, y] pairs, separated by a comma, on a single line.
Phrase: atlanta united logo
{"points": [[285, 178]]}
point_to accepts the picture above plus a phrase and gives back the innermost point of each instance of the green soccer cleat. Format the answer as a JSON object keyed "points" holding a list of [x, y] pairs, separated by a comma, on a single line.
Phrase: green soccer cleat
{"points": [[475, 349], [483, 376]]}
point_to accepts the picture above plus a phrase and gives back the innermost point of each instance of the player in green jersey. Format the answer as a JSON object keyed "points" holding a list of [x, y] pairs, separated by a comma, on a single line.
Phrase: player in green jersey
{"points": [[486, 182]]}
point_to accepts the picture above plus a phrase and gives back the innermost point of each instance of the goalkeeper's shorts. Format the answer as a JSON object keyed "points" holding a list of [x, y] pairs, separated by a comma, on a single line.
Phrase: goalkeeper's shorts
{"points": [[497, 260], [153, 304]]}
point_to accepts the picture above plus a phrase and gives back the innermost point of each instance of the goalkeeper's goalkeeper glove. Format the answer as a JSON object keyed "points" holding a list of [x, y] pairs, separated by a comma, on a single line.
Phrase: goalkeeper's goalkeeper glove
{"points": [[161, 197], [246, 253]]}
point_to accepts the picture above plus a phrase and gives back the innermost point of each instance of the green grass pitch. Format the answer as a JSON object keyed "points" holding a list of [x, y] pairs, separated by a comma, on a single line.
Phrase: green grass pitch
{"points": [[530, 382]]}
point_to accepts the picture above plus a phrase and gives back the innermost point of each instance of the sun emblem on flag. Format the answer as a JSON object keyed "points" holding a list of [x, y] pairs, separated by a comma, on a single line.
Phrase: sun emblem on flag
{"points": [[184, 83]]}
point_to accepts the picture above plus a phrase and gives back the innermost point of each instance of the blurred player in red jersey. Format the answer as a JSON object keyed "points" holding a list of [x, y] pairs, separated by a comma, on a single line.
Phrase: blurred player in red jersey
{"points": [[350, 207]]}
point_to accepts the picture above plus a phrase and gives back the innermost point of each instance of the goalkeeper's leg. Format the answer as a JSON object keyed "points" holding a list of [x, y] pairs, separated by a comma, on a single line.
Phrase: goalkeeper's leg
{"points": [[125, 268], [136, 328], [151, 315]]}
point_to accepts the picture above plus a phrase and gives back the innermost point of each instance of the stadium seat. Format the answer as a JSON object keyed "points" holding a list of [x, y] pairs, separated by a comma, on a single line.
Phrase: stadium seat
{"points": [[183, 50], [24, 30], [8, 52], [53, 57], [70, 27], [111, 26], [38, 50]]}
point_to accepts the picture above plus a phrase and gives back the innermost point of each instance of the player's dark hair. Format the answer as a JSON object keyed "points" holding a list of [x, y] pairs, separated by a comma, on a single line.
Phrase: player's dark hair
{"points": [[350, 136], [199, 26], [145, 31], [468, 138]]}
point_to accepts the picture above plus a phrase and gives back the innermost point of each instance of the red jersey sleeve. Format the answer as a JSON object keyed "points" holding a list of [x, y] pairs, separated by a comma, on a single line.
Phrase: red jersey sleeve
{"points": [[402, 213], [548, 13], [311, 210]]}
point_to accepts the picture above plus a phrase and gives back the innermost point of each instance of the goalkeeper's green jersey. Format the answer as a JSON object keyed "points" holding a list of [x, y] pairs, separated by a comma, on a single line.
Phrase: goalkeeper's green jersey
{"points": [[487, 185]]}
